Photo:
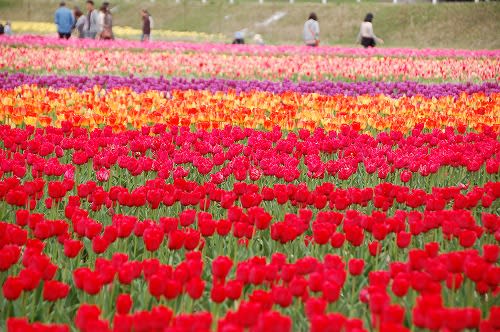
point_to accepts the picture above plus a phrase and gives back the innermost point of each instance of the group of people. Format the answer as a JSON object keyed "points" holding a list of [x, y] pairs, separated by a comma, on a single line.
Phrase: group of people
{"points": [[98, 24], [366, 36], [95, 24]]}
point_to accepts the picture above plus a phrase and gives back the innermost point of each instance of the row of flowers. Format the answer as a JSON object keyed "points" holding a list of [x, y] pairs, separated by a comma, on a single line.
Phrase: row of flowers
{"points": [[246, 66], [421, 289], [122, 108], [234, 153], [143, 84], [41, 41], [248, 224]]}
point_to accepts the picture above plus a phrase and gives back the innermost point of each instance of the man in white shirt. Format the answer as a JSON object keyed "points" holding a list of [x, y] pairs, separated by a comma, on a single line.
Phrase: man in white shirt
{"points": [[311, 31], [92, 24]]}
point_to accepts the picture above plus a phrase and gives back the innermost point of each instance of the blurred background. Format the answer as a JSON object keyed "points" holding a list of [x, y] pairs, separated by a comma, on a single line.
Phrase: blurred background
{"points": [[407, 23]]}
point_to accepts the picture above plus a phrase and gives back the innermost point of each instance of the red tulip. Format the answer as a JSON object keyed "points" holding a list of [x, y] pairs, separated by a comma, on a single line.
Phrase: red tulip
{"points": [[72, 248], [99, 245], [331, 291], [491, 252], [403, 239], [400, 286], [337, 240], [54, 290], [221, 266], [315, 307], [176, 239], [153, 237], [22, 217], [172, 289], [123, 304], [356, 266], [102, 175], [354, 234], [467, 238], [405, 176], [375, 248], [282, 296], [195, 288], [187, 217], [298, 286], [218, 293], [192, 239], [12, 288], [454, 281], [86, 316], [92, 284], [234, 289]]}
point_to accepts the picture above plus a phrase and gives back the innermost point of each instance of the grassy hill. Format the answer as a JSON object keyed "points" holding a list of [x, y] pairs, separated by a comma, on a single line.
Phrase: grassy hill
{"points": [[422, 25]]}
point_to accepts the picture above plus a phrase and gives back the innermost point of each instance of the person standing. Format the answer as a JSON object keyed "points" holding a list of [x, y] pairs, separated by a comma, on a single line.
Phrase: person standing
{"points": [[146, 25], [366, 36], [64, 20], [100, 21], [92, 23], [8, 29], [108, 22], [81, 21], [311, 30]]}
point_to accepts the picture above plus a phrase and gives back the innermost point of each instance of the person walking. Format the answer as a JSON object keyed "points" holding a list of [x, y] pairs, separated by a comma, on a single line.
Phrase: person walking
{"points": [[311, 31], [64, 20], [81, 21], [366, 36], [92, 22], [146, 25]]}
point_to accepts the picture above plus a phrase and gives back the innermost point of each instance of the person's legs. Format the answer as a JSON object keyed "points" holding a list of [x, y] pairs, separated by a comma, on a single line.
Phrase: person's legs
{"points": [[67, 35], [61, 35], [367, 42]]}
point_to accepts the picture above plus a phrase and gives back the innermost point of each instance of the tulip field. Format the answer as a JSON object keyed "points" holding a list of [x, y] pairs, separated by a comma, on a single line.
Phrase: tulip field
{"points": [[178, 187]]}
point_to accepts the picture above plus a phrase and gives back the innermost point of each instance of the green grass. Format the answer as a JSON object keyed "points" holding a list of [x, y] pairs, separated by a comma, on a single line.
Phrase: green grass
{"points": [[449, 25]]}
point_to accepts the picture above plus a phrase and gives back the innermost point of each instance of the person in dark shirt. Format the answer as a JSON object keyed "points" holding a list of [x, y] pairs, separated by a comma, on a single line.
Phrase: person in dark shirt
{"points": [[146, 25]]}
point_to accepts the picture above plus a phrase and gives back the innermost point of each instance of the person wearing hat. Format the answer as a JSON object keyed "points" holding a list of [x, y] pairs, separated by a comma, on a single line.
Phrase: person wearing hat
{"points": [[64, 20], [366, 36]]}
